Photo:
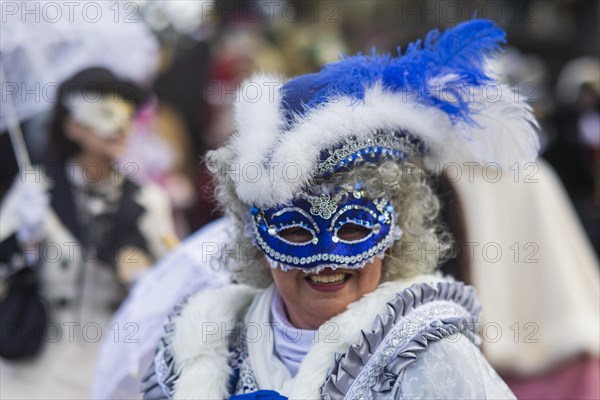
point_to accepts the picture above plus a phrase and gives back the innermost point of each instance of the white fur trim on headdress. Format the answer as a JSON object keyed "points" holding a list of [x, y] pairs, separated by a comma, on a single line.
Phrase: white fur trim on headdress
{"points": [[275, 165]]}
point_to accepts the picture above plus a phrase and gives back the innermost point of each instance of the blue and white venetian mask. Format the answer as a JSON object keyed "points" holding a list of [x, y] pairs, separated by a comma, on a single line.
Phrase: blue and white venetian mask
{"points": [[337, 230]]}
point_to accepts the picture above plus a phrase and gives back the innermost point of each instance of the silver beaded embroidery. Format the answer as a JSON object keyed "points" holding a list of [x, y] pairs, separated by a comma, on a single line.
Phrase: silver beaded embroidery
{"points": [[278, 260], [381, 246], [350, 207], [380, 204], [400, 334], [360, 223], [323, 205], [355, 149], [314, 238], [299, 211]]}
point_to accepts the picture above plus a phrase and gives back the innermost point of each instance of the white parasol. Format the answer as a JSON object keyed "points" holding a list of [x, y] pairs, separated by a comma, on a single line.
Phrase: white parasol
{"points": [[41, 46]]}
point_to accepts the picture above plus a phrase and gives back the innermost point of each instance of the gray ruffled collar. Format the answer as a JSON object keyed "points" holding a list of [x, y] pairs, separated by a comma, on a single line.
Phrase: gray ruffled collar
{"points": [[416, 316]]}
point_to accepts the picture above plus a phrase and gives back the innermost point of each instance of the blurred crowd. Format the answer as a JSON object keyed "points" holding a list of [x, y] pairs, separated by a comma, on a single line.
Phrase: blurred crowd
{"points": [[207, 49], [151, 188]]}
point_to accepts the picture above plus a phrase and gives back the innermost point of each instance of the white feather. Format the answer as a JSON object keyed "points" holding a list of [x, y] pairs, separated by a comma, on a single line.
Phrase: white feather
{"points": [[258, 121]]}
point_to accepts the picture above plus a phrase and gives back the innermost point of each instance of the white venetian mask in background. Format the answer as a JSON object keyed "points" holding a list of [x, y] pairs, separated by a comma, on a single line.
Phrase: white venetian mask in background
{"points": [[108, 115]]}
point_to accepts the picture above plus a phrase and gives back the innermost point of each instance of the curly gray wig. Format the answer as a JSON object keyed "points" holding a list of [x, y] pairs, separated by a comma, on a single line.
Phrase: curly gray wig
{"points": [[422, 246]]}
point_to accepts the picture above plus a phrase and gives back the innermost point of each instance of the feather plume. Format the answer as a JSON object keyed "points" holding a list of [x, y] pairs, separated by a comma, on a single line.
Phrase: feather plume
{"points": [[438, 71]]}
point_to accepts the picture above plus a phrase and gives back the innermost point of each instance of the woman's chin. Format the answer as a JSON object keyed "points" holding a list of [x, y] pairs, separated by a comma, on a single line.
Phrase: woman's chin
{"points": [[329, 298]]}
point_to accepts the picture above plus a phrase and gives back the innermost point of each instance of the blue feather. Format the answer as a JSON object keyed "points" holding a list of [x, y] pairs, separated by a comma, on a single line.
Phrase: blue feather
{"points": [[459, 52]]}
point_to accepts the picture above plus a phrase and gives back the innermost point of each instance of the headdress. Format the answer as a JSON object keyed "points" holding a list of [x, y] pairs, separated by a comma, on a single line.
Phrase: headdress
{"points": [[435, 102]]}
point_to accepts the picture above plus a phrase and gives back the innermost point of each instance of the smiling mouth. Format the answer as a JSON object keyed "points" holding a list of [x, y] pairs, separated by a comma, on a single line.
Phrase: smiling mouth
{"points": [[328, 279]]}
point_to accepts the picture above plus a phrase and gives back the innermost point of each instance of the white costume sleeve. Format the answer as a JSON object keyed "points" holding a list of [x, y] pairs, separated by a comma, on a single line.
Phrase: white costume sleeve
{"points": [[24, 209], [452, 368]]}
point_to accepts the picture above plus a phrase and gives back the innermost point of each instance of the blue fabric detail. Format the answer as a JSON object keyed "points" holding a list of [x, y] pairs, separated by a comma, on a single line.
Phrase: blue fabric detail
{"points": [[259, 395], [459, 52], [323, 222]]}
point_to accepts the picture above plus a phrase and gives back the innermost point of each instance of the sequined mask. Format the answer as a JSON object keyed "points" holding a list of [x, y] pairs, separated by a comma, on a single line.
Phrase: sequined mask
{"points": [[339, 230]]}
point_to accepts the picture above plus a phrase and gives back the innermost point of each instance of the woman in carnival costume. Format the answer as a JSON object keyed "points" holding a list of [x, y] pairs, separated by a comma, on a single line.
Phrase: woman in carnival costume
{"points": [[336, 294]]}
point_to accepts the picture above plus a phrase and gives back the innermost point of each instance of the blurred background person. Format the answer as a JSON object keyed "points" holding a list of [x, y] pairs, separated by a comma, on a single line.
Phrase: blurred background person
{"points": [[85, 228]]}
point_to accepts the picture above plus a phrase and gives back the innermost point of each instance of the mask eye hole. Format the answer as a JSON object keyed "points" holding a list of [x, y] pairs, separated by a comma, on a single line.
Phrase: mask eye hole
{"points": [[296, 235], [353, 232]]}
